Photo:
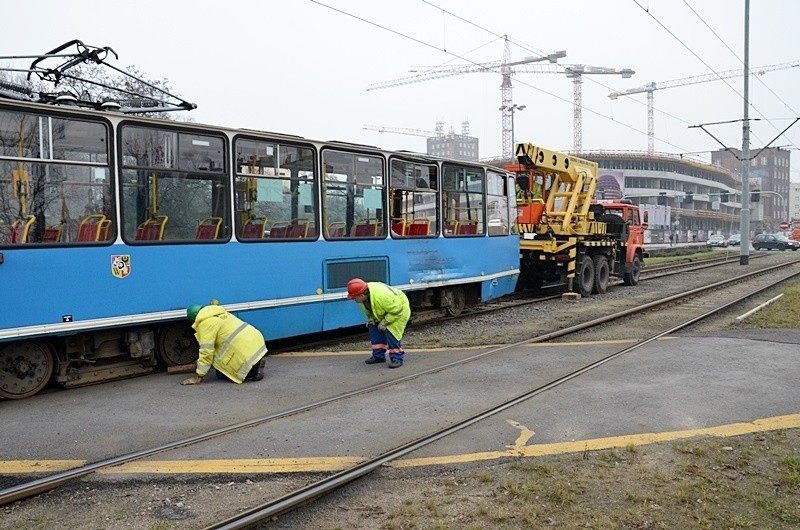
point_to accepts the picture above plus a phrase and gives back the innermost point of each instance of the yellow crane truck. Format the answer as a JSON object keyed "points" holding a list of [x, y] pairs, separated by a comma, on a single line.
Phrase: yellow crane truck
{"points": [[565, 233]]}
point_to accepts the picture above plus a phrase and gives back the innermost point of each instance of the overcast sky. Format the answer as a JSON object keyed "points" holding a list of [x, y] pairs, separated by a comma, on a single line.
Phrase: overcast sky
{"points": [[303, 67]]}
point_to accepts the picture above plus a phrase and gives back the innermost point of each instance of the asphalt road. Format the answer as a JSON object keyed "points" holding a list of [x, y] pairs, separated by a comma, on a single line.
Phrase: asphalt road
{"points": [[676, 386]]}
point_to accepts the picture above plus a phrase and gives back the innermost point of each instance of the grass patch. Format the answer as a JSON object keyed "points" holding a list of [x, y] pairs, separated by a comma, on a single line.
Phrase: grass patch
{"points": [[741, 482], [784, 313]]}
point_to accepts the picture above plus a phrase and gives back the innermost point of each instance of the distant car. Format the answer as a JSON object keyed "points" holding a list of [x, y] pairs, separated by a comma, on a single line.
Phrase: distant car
{"points": [[717, 240], [774, 242], [735, 240]]}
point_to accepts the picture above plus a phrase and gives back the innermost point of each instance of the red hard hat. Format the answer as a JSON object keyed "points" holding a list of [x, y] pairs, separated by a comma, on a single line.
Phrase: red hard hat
{"points": [[355, 287]]}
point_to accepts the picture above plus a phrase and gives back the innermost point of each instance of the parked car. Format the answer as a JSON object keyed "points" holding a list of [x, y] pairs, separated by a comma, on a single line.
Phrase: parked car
{"points": [[774, 242], [717, 240], [735, 240]]}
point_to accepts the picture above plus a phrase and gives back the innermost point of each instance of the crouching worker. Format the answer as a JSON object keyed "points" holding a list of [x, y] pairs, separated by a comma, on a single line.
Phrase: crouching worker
{"points": [[387, 311], [233, 347]]}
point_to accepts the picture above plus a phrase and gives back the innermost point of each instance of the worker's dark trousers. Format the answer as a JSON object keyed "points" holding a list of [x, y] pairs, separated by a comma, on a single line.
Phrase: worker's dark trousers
{"points": [[383, 341]]}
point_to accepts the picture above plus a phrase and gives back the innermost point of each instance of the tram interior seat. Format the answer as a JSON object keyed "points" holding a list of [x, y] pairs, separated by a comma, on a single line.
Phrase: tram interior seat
{"points": [[366, 228], [278, 230], [254, 228], [52, 234], [420, 226], [91, 227], [20, 229], [399, 227], [208, 228], [298, 228], [152, 229], [336, 229], [105, 226], [467, 227]]}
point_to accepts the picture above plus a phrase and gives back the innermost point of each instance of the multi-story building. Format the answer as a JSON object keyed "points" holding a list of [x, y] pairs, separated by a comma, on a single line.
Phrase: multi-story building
{"points": [[689, 197], [769, 172], [794, 200], [454, 146]]}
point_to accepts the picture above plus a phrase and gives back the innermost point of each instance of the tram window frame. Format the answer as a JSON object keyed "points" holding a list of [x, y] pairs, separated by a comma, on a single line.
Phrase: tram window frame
{"points": [[274, 180], [351, 176], [413, 187], [174, 159], [467, 182], [498, 183], [58, 170]]}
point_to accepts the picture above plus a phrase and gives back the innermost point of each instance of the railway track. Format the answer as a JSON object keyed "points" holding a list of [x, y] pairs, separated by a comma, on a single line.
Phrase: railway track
{"points": [[699, 310], [687, 308], [519, 299]]}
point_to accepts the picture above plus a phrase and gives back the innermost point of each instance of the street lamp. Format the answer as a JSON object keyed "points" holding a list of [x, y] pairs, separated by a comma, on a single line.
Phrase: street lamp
{"points": [[511, 109]]}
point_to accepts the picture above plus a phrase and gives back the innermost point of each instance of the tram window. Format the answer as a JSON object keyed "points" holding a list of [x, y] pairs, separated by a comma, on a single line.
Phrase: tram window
{"points": [[42, 199], [174, 185], [413, 199], [497, 204], [276, 191], [463, 201], [354, 195]]}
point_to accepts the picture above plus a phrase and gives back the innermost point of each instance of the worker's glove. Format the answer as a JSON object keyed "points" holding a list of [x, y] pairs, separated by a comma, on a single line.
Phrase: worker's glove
{"points": [[370, 322], [382, 325], [194, 380]]}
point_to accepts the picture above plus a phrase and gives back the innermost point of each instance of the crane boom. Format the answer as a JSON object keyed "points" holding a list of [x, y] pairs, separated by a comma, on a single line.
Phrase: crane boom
{"points": [[651, 87], [507, 68], [400, 130]]}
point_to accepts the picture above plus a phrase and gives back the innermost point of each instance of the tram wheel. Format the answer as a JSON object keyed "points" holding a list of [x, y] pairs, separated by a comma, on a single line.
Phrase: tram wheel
{"points": [[176, 344], [453, 300], [25, 368]]}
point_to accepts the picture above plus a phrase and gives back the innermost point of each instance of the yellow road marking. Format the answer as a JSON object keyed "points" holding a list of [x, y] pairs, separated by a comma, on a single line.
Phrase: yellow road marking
{"points": [[264, 465], [315, 464], [9, 467], [524, 435], [791, 421]]}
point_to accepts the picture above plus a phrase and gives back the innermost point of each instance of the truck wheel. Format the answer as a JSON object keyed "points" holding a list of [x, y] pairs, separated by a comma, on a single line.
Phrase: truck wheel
{"points": [[632, 277], [586, 276], [601, 273]]}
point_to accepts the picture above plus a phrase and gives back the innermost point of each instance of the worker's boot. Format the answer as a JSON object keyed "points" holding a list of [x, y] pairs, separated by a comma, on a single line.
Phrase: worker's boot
{"points": [[256, 373]]}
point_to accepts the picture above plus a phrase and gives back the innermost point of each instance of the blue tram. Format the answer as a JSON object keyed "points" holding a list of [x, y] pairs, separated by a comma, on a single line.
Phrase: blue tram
{"points": [[111, 225]]}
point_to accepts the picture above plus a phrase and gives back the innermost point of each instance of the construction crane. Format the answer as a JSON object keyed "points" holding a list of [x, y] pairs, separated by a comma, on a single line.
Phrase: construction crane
{"points": [[506, 67], [651, 87], [400, 130]]}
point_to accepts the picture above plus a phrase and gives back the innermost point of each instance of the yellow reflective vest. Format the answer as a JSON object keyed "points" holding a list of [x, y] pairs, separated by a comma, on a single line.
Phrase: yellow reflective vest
{"points": [[227, 343], [388, 304]]}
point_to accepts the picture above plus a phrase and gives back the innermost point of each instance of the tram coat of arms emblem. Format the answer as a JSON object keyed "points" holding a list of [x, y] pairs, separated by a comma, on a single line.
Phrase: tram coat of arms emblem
{"points": [[121, 265]]}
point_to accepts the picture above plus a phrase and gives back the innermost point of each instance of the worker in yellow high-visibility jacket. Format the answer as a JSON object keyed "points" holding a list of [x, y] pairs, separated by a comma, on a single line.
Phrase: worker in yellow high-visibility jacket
{"points": [[233, 347], [388, 311]]}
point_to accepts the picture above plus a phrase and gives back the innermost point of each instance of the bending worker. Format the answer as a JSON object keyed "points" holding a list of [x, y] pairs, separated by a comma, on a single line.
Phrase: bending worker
{"points": [[387, 311], [233, 347]]}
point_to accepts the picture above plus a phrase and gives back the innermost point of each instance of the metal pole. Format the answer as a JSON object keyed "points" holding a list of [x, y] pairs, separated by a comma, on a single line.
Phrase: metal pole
{"points": [[513, 145], [744, 256]]}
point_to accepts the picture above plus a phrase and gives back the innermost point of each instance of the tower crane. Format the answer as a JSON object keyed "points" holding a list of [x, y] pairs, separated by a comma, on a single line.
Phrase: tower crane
{"points": [[506, 68], [651, 87], [400, 130]]}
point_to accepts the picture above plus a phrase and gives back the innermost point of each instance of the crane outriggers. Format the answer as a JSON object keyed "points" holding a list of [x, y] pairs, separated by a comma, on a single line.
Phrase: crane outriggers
{"points": [[565, 233]]}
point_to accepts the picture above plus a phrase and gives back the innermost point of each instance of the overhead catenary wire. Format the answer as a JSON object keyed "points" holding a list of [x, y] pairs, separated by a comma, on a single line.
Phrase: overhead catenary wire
{"points": [[463, 58], [710, 68]]}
